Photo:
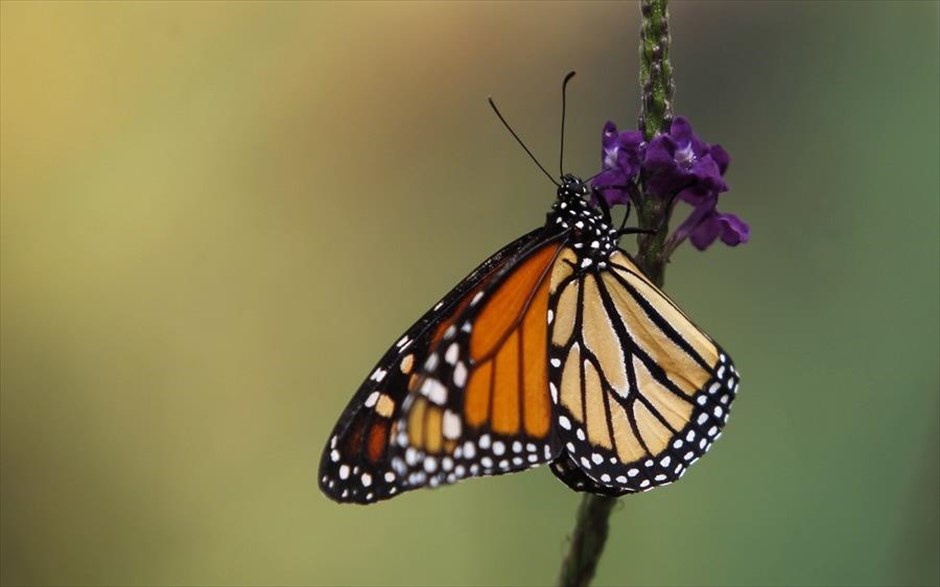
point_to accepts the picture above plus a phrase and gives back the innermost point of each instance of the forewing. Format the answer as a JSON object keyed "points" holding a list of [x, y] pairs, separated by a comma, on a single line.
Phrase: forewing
{"points": [[481, 404], [355, 465], [643, 392]]}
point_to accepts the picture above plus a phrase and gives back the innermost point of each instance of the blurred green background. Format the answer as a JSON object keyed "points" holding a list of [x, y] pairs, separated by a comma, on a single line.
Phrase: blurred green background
{"points": [[217, 216]]}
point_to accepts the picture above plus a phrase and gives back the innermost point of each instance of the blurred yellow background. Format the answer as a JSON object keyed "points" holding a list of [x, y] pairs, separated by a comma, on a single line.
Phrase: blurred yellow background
{"points": [[217, 216]]}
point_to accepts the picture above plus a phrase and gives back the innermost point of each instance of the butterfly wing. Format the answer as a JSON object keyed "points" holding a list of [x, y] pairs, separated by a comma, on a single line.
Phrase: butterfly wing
{"points": [[481, 405], [355, 465], [643, 391]]}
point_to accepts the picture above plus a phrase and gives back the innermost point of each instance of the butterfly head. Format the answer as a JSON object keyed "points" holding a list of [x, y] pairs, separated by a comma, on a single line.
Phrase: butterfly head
{"points": [[593, 237], [572, 188]]}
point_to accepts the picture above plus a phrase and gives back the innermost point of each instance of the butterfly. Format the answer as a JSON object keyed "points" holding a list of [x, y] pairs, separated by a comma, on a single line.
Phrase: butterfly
{"points": [[556, 350]]}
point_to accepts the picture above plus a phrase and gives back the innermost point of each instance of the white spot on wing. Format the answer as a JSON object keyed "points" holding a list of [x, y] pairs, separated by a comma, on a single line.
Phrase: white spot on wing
{"points": [[435, 391], [469, 450], [451, 425], [451, 355], [460, 375]]}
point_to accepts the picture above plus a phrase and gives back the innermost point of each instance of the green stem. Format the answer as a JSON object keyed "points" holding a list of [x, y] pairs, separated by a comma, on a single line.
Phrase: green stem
{"points": [[655, 69], [587, 542], [655, 117], [591, 527]]}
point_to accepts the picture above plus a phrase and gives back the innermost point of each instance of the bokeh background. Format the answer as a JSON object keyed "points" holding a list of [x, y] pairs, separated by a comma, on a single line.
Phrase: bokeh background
{"points": [[217, 216]]}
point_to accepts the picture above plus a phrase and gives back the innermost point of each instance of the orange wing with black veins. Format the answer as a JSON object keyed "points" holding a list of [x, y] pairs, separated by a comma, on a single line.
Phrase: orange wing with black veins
{"points": [[481, 404]]}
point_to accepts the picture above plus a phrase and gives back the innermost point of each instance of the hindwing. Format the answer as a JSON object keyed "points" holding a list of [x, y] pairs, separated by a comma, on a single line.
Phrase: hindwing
{"points": [[643, 392]]}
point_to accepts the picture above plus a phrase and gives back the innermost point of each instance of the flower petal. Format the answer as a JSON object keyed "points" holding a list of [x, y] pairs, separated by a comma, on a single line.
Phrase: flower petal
{"points": [[734, 231], [608, 137], [621, 158], [721, 157], [660, 153], [705, 233], [681, 130]]}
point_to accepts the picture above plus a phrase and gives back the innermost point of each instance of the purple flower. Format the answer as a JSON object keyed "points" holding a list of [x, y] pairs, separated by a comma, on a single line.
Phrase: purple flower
{"points": [[679, 161], [706, 224], [621, 156], [675, 164]]}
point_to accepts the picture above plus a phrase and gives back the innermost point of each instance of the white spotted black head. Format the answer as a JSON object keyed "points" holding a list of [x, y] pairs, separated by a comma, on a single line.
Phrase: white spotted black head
{"points": [[573, 188], [591, 234]]}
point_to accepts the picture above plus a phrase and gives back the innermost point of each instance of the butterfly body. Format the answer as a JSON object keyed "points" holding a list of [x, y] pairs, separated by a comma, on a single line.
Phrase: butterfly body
{"points": [[555, 350]]}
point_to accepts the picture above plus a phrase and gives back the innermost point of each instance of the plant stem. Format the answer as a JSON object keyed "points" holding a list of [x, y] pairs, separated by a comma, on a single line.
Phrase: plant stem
{"points": [[655, 70], [591, 527], [655, 117], [587, 542]]}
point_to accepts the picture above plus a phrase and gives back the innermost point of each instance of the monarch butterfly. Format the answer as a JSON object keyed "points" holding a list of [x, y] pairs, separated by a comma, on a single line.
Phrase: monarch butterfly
{"points": [[556, 350]]}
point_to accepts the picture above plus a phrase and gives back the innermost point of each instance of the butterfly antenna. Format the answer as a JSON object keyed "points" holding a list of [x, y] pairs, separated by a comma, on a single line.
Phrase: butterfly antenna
{"points": [[564, 100], [518, 140]]}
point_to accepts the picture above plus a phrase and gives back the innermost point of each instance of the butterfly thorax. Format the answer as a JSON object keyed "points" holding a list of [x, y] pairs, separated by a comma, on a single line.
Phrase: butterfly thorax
{"points": [[590, 233]]}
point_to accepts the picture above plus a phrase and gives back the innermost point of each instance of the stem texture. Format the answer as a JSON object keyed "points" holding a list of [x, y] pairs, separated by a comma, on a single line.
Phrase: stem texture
{"points": [[655, 117]]}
